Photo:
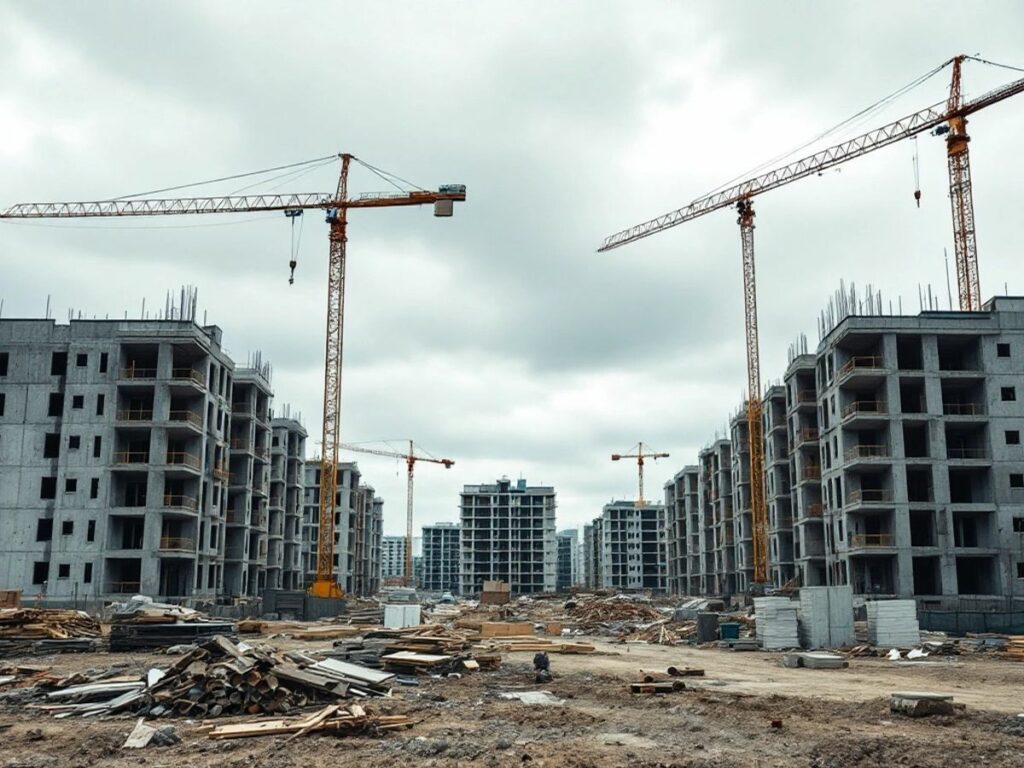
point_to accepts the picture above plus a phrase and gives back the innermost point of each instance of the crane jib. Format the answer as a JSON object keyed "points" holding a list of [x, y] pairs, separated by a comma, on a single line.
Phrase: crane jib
{"points": [[906, 127]]}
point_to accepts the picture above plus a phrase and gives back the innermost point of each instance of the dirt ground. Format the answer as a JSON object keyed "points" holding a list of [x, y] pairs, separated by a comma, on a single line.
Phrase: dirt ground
{"points": [[830, 719]]}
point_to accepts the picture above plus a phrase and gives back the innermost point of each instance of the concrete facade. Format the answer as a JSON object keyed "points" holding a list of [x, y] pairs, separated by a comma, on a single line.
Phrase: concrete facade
{"points": [[632, 547], [358, 529], [777, 488], [683, 532], [587, 557], [113, 454], [508, 533], [441, 558]]}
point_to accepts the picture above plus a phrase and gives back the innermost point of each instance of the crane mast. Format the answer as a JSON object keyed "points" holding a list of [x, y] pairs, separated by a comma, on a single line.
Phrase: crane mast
{"points": [[961, 198]]}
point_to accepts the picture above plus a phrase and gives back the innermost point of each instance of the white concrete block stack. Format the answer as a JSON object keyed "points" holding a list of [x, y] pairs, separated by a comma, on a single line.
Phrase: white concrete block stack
{"points": [[893, 623], [826, 617], [775, 622]]}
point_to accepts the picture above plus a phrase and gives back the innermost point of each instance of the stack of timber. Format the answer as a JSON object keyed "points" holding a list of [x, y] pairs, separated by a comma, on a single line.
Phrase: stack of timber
{"points": [[662, 633], [46, 630], [1014, 648], [533, 644], [333, 718]]}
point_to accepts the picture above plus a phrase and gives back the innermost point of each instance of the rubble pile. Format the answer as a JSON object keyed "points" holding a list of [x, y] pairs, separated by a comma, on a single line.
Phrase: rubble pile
{"points": [[46, 630], [612, 612]]}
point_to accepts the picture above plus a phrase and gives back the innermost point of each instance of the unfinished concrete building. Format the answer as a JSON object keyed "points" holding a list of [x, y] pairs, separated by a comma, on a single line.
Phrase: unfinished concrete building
{"points": [[358, 529], [632, 547], [743, 519], [112, 448], [683, 532], [247, 540], [922, 462], [568, 551], [508, 533], [718, 553], [392, 560], [805, 471], [778, 486], [287, 475], [587, 556], [441, 558]]}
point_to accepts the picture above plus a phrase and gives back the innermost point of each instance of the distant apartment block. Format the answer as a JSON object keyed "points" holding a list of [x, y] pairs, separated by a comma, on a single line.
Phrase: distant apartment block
{"points": [[393, 559], [358, 529], [632, 547], [683, 532], [440, 558], [587, 557], [567, 554], [508, 533]]}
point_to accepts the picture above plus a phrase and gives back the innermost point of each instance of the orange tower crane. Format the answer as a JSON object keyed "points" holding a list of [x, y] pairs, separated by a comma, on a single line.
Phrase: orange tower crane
{"points": [[336, 206], [639, 456], [410, 459], [948, 118]]}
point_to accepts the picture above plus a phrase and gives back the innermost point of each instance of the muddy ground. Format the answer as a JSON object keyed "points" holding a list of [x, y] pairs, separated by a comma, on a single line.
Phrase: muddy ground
{"points": [[830, 719]]}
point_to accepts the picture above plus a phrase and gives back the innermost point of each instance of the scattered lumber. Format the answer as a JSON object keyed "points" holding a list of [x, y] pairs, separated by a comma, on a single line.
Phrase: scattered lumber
{"points": [[1014, 648], [534, 644], [333, 718], [46, 623], [666, 686]]}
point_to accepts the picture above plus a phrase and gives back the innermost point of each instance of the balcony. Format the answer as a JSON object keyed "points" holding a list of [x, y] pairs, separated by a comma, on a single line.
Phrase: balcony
{"points": [[185, 419], [133, 373], [963, 409], [962, 453], [872, 410], [234, 553], [182, 460], [858, 453], [220, 472], [124, 587], [806, 398], [872, 541], [177, 544], [807, 436], [869, 496], [129, 458], [189, 377], [860, 365], [181, 503], [811, 472], [135, 415], [814, 510]]}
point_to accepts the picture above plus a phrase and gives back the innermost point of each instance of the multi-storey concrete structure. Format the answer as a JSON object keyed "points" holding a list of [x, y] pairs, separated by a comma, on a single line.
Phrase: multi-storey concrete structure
{"points": [[567, 552], [718, 556], [922, 464], [587, 557], [743, 521], [112, 449], [358, 529], [632, 547], [287, 474], [777, 487], [508, 533], [805, 471], [247, 539], [392, 561], [440, 558], [683, 532]]}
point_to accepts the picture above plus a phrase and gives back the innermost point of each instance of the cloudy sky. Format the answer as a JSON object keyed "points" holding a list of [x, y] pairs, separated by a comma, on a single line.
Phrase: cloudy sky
{"points": [[499, 337]]}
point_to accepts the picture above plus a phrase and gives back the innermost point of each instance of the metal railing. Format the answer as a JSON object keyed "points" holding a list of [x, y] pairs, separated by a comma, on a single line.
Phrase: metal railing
{"points": [[812, 472], [221, 473], [868, 540], [807, 435], [183, 459], [861, 361], [960, 452], [867, 451], [187, 416], [131, 457], [864, 406], [132, 372], [807, 396], [814, 510], [177, 543], [135, 414], [178, 501], [188, 374], [963, 409], [869, 496]]}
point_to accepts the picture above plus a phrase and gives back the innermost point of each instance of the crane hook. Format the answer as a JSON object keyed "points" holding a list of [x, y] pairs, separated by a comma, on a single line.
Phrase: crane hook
{"points": [[293, 214]]}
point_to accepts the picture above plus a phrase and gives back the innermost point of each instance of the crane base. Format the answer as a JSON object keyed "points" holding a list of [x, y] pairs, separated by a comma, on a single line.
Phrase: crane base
{"points": [[325, 588]]}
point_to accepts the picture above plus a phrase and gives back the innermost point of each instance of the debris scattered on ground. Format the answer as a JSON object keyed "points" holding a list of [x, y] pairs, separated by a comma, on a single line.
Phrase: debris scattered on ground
{"points": [[921, 703], [340, 720], [540, 698]]}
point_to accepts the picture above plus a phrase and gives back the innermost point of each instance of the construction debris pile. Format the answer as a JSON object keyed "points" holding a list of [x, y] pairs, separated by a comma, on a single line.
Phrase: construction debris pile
{"points": [[142, 623], [45, 630], [334, 718]]}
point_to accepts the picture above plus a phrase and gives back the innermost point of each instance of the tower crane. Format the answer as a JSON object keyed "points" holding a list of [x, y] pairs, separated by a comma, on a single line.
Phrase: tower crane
{"points": [[336, 206], [410, 459], [948, 118], [639, 456]]}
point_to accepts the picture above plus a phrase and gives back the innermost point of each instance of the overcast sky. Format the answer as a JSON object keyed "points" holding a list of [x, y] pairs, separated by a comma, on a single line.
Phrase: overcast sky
{"points": [[499, 337]]}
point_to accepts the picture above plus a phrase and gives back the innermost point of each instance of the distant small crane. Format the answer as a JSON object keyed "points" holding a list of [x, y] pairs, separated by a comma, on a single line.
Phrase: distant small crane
{"points": [[410, 462], [639, 455]]}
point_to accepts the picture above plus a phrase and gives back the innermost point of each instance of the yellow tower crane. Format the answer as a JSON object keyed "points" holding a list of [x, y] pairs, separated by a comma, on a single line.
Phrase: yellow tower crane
{"points": [[640, 456]]}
